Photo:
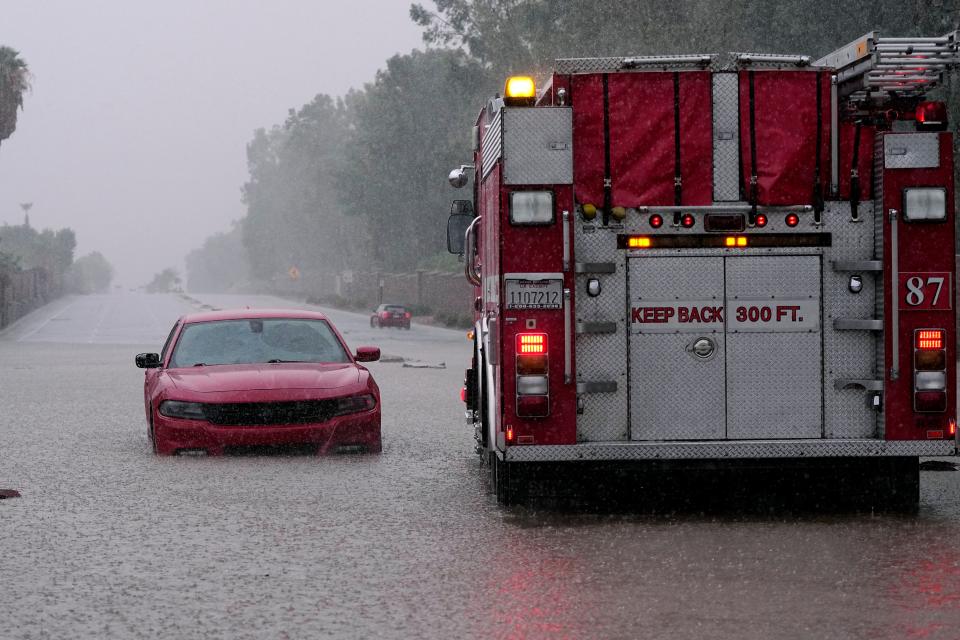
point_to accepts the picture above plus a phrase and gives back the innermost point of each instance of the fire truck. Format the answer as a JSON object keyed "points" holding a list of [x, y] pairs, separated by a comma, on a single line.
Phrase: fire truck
{"points": [[733, 257]]}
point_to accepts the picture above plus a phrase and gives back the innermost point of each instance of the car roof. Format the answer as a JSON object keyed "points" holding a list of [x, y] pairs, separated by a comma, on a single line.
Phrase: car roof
{"points": [[247, 314]]}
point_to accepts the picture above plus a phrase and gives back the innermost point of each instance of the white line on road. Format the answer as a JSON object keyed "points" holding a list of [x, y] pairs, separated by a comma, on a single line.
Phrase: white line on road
{"points": [[46, 322]]}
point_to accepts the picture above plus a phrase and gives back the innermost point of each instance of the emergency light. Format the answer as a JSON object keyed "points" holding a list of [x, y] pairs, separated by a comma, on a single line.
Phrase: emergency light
{"points": [[927, 204], [520, 91]]}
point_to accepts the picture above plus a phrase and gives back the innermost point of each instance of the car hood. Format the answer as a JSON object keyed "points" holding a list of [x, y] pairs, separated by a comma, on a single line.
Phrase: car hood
{"points": [[248, 377]]}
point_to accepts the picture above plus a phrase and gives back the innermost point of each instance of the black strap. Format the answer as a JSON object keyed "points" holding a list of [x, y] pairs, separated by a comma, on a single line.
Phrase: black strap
{"points": [[817, 184], [607, 183], [753, 153], [855, 175], [677, 170]]}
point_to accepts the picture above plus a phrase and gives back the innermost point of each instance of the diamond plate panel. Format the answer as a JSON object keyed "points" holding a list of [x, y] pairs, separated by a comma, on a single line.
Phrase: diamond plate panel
{"points": [[730, 450], [601, 357], [726, 137], [848, 413], [538, 145], [663, 368], [774, 380], [911, 150], [492, 148]]}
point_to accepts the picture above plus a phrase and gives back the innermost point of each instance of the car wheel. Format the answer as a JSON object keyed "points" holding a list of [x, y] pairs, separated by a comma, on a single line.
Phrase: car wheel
{"points": [[152, 434]]}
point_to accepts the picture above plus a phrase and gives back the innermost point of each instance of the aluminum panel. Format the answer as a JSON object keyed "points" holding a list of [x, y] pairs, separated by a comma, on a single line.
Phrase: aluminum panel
{"points": [[911, 150], [774, 380], [601, 357], [731, 450], [849, 413], [492, 148], [663, 368], [538, 145], [726, 137]]}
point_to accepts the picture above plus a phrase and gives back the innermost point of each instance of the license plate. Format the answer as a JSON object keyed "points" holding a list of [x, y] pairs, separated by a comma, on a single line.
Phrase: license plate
{"points": [[534, 294]]}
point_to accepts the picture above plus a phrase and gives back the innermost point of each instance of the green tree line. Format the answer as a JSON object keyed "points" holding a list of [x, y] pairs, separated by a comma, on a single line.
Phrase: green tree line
{"points": [[358, 182]]}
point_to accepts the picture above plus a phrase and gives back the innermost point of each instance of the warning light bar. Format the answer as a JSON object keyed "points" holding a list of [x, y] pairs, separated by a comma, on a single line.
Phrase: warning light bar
{"points": [[930, 339], [531, 344], [710, 241]]}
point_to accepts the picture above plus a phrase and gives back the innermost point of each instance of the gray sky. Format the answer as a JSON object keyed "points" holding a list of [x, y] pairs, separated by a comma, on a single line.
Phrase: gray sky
{"points": [[135, 132]]}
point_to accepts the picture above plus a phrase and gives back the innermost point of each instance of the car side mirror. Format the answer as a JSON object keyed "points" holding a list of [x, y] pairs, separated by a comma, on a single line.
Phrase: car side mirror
{"points": [[461, 215], [368, 354], [147, 360]]}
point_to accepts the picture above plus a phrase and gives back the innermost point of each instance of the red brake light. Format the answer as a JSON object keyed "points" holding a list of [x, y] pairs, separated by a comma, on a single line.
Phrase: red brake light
{"points": [[532, 344], [761, 220], [792, 220], [687, 220], [384, 315], [931, 115], [656, 221], [929, 339], [930, 401], [407, 315]]}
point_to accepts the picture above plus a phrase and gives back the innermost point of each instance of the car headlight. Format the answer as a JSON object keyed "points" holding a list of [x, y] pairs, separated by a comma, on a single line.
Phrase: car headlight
{"points": [[531, 207], [184, 410], [355, 404], [926, 204]]}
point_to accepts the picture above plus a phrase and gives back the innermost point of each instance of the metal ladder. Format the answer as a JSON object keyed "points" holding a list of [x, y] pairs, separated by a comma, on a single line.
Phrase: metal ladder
{"points": [[873, 67]]}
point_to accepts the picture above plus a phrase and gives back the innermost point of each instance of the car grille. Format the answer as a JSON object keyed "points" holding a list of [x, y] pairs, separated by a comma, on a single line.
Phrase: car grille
{"points": [[268, 413]]}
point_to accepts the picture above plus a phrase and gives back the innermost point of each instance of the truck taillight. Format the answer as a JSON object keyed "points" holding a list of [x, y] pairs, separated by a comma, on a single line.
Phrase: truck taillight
{"points": [[929, 339], [931, 116], [533, 375], [929, 371], [531, 344]]}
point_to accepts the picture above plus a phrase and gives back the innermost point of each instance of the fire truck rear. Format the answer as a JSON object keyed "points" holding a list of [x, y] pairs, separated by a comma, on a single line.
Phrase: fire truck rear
{"points": [[705, 257]]}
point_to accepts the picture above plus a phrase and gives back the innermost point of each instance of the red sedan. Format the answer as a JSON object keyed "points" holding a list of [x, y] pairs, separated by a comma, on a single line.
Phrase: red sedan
{"points": [[230, 380]]}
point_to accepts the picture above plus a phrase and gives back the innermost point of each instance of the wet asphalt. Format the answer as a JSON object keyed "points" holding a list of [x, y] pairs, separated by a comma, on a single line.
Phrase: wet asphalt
{"points": [[108, 541]]}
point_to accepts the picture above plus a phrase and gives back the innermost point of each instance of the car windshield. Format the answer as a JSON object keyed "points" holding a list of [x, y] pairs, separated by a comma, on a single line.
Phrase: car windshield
{"points": [[257, 340], [394, 308]]}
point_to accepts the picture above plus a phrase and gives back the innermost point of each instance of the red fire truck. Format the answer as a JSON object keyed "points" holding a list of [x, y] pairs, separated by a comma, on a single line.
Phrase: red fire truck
{"points": [[716, 258]]}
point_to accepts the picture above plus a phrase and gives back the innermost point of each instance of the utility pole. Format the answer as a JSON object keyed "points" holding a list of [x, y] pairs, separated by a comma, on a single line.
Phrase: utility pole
{"points": [[26, 206]]}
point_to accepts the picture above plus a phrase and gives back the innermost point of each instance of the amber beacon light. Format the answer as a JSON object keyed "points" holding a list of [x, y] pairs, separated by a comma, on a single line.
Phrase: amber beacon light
{"points": [[520, 91]]}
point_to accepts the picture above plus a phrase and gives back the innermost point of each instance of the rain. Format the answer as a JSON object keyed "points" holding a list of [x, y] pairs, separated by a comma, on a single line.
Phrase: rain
{"points": [[479, 318]]}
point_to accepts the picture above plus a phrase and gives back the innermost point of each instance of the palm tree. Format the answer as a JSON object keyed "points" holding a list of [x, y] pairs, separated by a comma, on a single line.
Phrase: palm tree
{"points": [[14, 81]]}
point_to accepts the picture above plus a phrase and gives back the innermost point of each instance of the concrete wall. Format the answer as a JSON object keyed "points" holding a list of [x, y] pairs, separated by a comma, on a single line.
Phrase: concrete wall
{"points": [[447, 295], [22, 292]]}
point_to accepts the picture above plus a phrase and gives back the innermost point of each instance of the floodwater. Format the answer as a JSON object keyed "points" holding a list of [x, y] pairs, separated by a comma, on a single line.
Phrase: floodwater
{"points": [[109, 541]]}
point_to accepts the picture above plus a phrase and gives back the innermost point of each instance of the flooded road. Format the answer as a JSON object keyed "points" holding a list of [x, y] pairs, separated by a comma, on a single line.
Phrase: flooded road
{"points": [[109, 541]]}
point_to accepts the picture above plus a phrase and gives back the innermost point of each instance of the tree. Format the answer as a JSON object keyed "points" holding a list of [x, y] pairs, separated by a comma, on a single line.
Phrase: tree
{"points": [[90, 274], [14, 82], [166, 281], [408, 128], [220, 264]]}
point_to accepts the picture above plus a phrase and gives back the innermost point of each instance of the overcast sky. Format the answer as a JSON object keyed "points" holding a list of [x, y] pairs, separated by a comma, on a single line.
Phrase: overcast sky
{"points": [[135, 131]]}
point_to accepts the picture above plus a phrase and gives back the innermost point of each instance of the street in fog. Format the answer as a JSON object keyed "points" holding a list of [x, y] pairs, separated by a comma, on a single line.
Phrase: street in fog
{"points": [[109, 541]]}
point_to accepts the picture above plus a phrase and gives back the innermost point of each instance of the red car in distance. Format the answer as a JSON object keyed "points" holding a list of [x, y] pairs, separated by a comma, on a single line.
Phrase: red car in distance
{"points": [[233, 380], [390, 315]]}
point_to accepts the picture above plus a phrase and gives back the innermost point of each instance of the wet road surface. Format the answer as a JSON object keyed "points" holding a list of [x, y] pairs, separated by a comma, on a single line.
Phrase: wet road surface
{"points": [[108, 541]]}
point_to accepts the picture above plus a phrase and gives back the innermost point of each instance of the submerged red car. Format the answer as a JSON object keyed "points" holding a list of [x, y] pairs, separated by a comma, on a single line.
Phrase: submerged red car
{"points": [[235, 380]]}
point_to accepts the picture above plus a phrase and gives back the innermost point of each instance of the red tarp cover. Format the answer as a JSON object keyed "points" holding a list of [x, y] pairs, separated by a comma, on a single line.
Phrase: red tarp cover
{"points": [[641, 121], [864, 161], [785, 111]]}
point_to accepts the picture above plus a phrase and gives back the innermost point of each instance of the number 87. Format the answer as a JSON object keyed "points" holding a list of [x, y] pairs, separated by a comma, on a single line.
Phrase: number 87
{"points": [[915, 286]]}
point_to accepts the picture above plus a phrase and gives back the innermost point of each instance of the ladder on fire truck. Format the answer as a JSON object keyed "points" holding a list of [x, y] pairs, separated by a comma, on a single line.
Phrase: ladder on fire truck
{"points": [[876, 68]]}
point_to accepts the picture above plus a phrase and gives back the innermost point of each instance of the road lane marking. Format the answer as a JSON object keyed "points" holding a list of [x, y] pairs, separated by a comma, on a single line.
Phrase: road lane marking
{"points": [[40, 326]]}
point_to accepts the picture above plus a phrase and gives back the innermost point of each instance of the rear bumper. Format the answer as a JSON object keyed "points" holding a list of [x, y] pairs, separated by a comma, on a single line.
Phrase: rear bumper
{"points": [[729, 450], [361, 429]]}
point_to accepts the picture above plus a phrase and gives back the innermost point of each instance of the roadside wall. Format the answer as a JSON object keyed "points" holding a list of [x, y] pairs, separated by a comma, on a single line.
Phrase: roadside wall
{"points": [[447, 296], [23, 291]]}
